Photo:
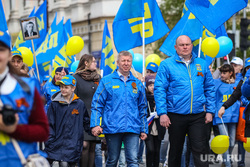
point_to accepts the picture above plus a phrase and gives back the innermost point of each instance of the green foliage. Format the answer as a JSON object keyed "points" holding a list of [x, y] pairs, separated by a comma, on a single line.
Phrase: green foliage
{"points": [[171, 12]]}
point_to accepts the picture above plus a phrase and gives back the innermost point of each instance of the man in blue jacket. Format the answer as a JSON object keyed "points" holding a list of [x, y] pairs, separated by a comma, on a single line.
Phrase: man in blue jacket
{"points": [[184, 88], [121, 102]]}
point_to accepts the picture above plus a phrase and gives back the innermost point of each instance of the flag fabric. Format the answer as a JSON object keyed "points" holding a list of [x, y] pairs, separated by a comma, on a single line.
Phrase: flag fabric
{"points": [[4, 34], [41, 15], [127, 25], [151, 117], [107, 58], [52, 45], [218, 11], [187, 25]]}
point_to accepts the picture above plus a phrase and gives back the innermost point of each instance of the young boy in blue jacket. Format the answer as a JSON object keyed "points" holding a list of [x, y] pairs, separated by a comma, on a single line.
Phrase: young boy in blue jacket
{"points": [[68, 117]]}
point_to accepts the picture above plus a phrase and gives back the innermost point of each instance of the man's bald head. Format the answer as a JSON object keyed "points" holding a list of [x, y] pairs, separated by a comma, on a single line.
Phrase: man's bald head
{"points": [[183, 46], [181, 37]]}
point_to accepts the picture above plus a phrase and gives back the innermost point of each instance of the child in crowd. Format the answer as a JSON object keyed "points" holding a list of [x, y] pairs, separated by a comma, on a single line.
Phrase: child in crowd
{"points": [[68, 117], [224, 87], [156, 132]]}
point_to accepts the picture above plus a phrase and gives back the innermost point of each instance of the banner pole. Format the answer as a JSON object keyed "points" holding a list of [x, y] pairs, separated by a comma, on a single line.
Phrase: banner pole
{"points": [[34, 54], [199, 53], [143, 47]]}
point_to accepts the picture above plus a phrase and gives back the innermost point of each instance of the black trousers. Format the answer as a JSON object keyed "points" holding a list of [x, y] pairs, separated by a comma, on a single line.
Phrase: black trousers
{"points": [[153, 145], [194, 126]]}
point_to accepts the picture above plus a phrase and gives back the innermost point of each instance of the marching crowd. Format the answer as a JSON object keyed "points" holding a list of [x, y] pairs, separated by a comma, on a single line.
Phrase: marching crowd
{"points": [[181, 101]]}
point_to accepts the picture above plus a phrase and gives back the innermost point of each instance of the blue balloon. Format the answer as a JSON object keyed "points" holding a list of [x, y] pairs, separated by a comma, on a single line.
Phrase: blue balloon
{"points": [[132, 52], [226, 46], [74, 66], [137, 62]]}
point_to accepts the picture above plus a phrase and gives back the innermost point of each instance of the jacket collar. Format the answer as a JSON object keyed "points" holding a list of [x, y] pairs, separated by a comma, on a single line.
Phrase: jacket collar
{"points": [[58, 97], [177, 58], [116, 75]]}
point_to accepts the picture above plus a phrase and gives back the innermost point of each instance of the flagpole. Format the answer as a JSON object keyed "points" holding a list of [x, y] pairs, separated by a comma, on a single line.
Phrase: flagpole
{"points": [[34, 54], [143, 47], [199, 53]]}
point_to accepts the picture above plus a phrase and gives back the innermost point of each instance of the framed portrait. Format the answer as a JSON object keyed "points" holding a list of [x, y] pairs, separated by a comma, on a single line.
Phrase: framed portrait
{"points": [[29, 28]]}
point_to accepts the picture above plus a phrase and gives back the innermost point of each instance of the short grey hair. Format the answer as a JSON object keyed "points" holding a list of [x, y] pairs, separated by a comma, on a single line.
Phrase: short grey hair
{"points": [[124, 53]]}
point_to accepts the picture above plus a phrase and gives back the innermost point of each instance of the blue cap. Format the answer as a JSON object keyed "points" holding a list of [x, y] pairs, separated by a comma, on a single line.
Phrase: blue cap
{"points": [[67, 80], [59, 69], [16, 53], [152, 66], [247, 62]]}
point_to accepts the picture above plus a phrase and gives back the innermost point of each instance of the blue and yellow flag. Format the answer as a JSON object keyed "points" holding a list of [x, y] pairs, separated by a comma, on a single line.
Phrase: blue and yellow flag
{"points": [[4, 35], [218, 11], [107, 59], [41, 15], [53, 43], [189, 25], [127, 25]]}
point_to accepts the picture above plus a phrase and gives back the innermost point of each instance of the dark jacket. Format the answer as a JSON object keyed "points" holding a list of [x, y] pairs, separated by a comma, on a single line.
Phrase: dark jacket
{"points": [[85, 90], [67, 122], [161, 129]]}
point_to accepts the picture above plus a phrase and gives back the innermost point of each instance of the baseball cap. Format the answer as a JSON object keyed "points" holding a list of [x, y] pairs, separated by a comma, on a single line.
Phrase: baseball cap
{"points": [[67, 80], [247, 62], [237, 60], [16, 53], [152, 66]]}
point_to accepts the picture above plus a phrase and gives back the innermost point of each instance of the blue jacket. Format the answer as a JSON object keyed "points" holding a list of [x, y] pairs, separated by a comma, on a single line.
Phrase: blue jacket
{"points": [[223, 92], [123, 107], [13, 94], [245, 88], [184, 90], [66, 122], [49, 89]]}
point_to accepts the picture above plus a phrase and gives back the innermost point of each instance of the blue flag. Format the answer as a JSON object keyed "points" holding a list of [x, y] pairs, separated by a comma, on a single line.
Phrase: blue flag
{"points": [[4, 35], [41, 15], [127, 25], [218, 11], [107, 59], [52, 45], [187, 25]]}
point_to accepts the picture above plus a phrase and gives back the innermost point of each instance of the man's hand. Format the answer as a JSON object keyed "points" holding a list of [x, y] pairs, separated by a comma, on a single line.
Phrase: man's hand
{"points": [[96, 130], [9, 128], [221, 112], [208, 118], [165, 121], [143, 136]]}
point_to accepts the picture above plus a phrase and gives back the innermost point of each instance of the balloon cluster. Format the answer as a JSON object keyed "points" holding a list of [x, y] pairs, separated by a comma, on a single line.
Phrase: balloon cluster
{"points": [[138, 60], [219, 47]]}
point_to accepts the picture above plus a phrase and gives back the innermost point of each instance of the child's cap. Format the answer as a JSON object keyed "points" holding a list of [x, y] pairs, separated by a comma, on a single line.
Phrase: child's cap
{"points": [[150, 79], [247, 62], [152, 66], [59, 69], [67, 80], [16, 53]]}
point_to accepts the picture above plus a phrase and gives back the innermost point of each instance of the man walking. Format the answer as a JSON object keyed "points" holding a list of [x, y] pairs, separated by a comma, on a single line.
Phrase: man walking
{"points": [[185, 101], [121, 102]]}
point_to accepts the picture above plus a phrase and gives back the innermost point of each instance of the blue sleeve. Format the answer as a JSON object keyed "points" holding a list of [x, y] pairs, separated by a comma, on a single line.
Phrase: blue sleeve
{"points": [[142, 107], [209, 92], [160, 89], [244, 101], [98, 104], [245, 89]]}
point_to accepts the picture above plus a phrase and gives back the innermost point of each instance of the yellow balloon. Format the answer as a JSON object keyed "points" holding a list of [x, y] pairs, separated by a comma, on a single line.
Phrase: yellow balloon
{"points": [[153, 58], [27, 56], [74, 45], [210, 46], [220, 144], [247, 145]]}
